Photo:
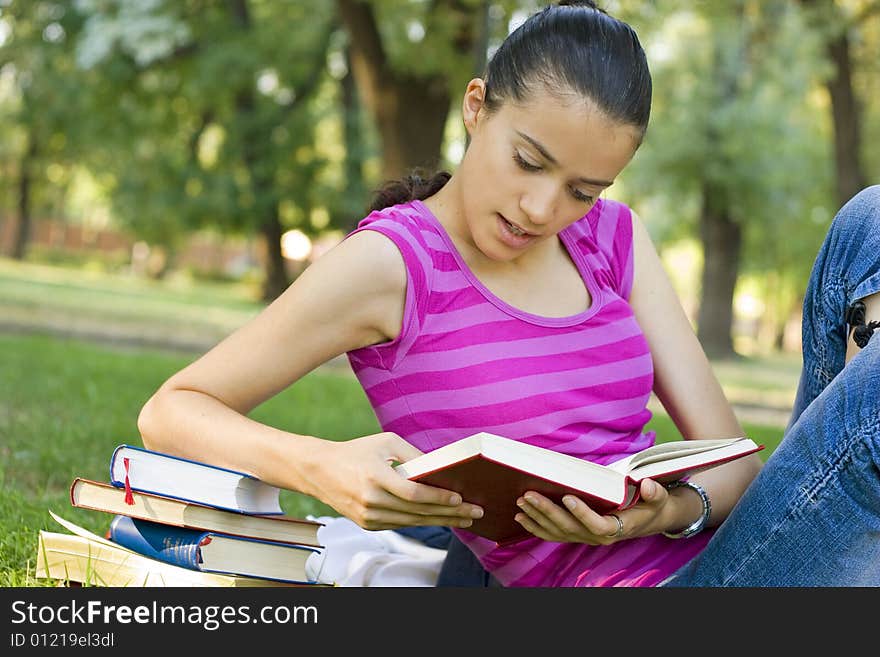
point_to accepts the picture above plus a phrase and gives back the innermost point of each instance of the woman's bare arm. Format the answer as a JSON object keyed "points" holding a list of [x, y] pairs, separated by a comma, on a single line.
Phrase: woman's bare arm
{"points": [[351, 297], [685, 384]]}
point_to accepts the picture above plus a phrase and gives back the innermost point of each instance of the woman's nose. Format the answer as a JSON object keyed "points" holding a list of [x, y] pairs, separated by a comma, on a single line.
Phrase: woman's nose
{"points": [[538, 203]]}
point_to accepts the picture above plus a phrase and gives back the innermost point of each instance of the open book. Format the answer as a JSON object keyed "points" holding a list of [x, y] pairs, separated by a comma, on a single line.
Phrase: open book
{"points": [[494, 471]]}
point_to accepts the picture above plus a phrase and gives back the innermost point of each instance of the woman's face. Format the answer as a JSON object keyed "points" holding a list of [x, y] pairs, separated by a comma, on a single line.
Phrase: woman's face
{"points": [[533, 169]]}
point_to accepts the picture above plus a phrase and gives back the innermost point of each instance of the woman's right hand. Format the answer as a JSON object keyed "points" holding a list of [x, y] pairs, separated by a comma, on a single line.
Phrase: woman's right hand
{"points": [[357, 478]]}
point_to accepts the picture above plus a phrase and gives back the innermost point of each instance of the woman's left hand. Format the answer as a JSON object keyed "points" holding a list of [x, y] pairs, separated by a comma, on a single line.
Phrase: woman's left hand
{"points": [[576, 522]]}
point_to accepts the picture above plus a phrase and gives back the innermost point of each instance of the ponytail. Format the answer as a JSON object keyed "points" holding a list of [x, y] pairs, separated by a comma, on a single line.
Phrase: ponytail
{"points": [[413, 186]]}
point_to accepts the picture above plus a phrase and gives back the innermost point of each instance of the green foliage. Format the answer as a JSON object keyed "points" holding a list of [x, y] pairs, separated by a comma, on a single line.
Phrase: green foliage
{"points": [[733, 111], [196, 114], [737, 122], [215, 118]]}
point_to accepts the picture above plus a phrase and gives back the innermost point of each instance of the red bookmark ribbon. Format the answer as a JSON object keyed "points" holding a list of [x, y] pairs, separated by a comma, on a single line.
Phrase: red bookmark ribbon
{"points": [[129, 498]]}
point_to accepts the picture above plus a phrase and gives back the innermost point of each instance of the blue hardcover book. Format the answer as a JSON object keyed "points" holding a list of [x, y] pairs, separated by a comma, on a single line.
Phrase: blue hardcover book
{"points": [[148, 471], [214, 552]]}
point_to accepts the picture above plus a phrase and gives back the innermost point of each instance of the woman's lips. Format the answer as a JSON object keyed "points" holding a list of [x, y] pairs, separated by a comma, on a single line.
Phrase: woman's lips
{"points": [[511, 238]]}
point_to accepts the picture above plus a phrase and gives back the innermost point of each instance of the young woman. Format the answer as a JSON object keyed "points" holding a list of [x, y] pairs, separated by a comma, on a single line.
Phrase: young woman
{"points": [[508, 297]]}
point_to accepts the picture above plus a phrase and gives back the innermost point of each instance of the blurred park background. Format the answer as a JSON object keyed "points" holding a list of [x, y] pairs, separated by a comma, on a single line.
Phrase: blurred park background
{"points": [[168, 167]]}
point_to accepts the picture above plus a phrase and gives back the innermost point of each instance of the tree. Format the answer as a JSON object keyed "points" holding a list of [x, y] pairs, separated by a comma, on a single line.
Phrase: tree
{"points": [[406, 87], [731, 151], [36, 58], [215, 99], [829, 19]]}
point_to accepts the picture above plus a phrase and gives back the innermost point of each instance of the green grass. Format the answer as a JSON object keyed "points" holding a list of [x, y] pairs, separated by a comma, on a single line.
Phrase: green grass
{"points": [[81, 301], [65, 404], [767, 435]]}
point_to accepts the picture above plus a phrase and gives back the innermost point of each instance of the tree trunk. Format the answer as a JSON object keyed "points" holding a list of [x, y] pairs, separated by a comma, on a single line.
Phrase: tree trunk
{"points": [[850, 175], [720, 233], [25, 182], [480, 48], [411, 116], [409, 112], [722, 240], [827, 18], [357, 199], [275, 280], [275, 275]]}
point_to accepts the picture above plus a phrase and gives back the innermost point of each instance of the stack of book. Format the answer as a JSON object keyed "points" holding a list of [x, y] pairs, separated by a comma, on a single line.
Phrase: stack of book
{"points": [[178, 522]]}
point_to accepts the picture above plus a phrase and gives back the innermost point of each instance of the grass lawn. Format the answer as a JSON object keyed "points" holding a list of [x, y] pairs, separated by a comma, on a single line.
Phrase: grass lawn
{"points": [[65, 404], [179, 311]]}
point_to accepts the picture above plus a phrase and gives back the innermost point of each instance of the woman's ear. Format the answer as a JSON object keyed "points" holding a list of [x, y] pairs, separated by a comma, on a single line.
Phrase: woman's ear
{"points": [[473, 103]]}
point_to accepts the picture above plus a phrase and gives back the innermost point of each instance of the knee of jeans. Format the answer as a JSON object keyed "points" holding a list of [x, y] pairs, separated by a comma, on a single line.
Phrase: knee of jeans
{"points": [[858, 221]]}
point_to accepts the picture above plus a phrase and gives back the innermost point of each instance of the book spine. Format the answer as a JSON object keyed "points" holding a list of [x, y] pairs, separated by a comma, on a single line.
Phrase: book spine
{"points": [[113, 479], [174, 545], [73, 489]]}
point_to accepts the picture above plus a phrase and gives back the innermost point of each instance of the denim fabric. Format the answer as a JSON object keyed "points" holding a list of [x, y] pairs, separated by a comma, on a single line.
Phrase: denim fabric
{"points": [[435, 537], [461, 568], [847, 269], [812, 516]]}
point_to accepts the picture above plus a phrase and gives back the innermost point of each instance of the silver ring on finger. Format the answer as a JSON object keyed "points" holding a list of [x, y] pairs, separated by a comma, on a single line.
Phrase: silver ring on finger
{"points": [[619, 531]]}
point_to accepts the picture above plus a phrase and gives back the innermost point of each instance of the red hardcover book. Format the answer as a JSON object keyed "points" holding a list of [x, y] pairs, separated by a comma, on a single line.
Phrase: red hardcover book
{"points": [[494, 471]]}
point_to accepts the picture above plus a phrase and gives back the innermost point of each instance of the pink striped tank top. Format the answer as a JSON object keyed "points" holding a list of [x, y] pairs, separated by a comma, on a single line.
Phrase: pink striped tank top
{"points": [[466, 361]]}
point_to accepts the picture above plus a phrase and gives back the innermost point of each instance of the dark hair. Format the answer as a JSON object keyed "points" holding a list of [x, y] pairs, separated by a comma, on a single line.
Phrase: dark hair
{"points": [[416, 185], [572, 47]]}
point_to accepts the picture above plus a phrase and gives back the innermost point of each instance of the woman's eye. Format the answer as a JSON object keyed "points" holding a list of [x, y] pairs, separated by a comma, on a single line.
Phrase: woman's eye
{"points": [[580, 196], [523, 164]]}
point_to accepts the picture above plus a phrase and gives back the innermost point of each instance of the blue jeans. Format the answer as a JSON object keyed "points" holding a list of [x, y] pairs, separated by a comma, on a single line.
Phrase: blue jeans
{"points": [[812, 515]]}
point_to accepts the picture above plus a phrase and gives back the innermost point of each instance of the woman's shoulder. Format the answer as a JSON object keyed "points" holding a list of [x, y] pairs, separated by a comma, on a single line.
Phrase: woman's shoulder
{"points": [[401, 238], [605, 238], [407, 227], [404, 219], [365, 260], [606, 227]]}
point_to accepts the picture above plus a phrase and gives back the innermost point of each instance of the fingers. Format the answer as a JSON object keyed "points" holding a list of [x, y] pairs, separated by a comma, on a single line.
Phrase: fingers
{"points": [[534, 528], [576, 522], [383, 510], [652, 492], [375, 496], [430, 499], [441, 510], [400, 450], [389, 519], [393, 501], [551, 518]]}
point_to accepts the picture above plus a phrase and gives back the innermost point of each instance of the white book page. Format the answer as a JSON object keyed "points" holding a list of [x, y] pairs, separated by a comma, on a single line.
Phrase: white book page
{"points": [[85, 533], [670, 450]]}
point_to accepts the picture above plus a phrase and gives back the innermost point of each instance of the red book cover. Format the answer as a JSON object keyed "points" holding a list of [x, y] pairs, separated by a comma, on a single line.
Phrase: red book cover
{"points": [[496, 487]]}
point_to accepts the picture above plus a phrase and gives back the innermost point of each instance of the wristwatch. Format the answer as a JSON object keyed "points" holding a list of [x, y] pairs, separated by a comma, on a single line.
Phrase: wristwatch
{"points": [[700, 523]]}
